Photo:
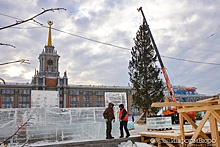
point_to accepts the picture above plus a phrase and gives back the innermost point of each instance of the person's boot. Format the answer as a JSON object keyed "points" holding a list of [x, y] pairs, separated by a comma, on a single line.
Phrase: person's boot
{"points": [[111, 137]]}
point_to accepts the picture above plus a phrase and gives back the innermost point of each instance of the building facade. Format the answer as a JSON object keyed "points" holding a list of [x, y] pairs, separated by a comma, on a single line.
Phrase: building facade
{"points": [[47, 77]]}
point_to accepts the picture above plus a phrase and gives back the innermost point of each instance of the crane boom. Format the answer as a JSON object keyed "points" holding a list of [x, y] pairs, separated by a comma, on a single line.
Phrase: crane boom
{"points": [[168, 85]]}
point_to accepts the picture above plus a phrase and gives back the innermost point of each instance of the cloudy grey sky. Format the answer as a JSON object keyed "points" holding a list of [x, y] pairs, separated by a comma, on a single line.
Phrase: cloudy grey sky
{"points": [[186, 32]]}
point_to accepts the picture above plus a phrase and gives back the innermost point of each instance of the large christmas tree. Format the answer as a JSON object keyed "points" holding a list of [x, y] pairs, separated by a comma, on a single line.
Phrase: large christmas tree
{"points": [[144, 73]]}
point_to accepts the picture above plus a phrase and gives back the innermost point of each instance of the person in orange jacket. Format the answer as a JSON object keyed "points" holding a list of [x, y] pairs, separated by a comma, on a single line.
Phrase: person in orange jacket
{"points": [[109, 117], [123, 118]]}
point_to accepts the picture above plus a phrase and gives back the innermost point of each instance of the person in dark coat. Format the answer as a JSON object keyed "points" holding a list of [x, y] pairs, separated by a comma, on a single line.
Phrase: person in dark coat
{"points": [[109, 117], [123, 118]]}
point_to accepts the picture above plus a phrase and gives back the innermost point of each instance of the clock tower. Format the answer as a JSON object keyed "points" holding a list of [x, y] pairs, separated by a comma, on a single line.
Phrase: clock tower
{"points": [[48, 76]]}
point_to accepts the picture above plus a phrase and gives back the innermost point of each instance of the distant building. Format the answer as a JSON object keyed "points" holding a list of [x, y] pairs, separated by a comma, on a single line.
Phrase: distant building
{"points": [[18, 95], [187, 94]]}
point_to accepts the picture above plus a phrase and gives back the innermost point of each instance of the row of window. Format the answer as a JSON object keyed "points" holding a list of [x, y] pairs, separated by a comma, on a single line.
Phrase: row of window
{"points": [[75, 105], [6, 106], [12, 91], [77, 92], [7, 99], [86, 99], [24, 99], [20, 106], [71, 92], [24, 105], [11, 99]]}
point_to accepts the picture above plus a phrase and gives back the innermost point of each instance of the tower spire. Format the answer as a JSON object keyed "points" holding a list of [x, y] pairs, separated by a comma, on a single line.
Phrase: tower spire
{"points": [[49, 35]]}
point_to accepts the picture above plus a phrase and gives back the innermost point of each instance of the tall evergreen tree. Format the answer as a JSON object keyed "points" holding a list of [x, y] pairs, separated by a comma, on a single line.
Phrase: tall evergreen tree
{"points": [[144, 73]]}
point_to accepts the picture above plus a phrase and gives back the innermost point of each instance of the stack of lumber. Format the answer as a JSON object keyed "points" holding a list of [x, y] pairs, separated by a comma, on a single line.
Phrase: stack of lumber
{"points": [[211, 107]]}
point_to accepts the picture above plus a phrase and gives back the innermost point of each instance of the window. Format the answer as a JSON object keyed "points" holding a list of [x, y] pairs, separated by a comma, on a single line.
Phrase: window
{"points": [[24, 99], [20, 91], [99, 99], [87, 92], [86, 99], [74, 99], [8, 91], [87, 105], [12, 91], [73, 105], [4, 99], [99, 105], [3, 91], [74, 92], [8, 105], [99, 93], [28, 91]]}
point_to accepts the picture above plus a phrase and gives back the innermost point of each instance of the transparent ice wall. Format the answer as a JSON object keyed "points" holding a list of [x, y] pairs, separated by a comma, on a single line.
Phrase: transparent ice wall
{"points": [[54, 124], [116, 98]]}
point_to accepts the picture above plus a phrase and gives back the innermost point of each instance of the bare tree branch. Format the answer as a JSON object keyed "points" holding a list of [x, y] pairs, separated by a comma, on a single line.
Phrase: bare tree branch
{"points": [[25, 143], [7, 45], [21, 61], [6, 141], [32, 18], [2, 80]]}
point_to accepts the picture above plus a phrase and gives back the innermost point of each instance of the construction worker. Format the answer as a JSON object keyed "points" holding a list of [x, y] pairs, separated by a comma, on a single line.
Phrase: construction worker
{"points": [[123, 118], [109, 117]]}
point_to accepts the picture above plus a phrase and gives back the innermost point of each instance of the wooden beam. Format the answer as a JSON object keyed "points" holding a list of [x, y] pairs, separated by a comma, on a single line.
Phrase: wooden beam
{"points": [[194, 125], [202, 108], [136, 121], [182, 133], [216, 115], [209, 99], [201, 124], [214, 130], [180, 104]]}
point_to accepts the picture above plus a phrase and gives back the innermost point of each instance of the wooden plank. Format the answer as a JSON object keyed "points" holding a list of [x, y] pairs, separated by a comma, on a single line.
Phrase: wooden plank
{"points": [[203, 108], [201, 124], [214, 130], [180, 104], [194, 125], [139, 118], [209, 99], [182, 133], [216, 115], [159, 135]]}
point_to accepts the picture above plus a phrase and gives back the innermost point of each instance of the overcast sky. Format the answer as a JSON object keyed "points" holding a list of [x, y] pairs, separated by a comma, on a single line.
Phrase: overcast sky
{"points": [[187, 34]]}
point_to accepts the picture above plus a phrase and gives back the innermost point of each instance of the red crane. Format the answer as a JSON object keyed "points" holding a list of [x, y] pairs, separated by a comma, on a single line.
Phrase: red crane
{"points": [[172, 98]]}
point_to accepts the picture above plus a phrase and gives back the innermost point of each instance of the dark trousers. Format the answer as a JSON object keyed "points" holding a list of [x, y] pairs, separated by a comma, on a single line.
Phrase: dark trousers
{"points": [[123, 124], [108, 129]]}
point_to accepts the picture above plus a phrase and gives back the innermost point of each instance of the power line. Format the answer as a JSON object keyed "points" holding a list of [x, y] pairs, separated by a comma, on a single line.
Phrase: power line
{"points": [[190, 60], [109, 44], [199, 42], [93, 40]]}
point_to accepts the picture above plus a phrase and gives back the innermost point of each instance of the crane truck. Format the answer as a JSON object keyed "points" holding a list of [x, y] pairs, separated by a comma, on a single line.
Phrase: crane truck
{"points": [[170, 111]]}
